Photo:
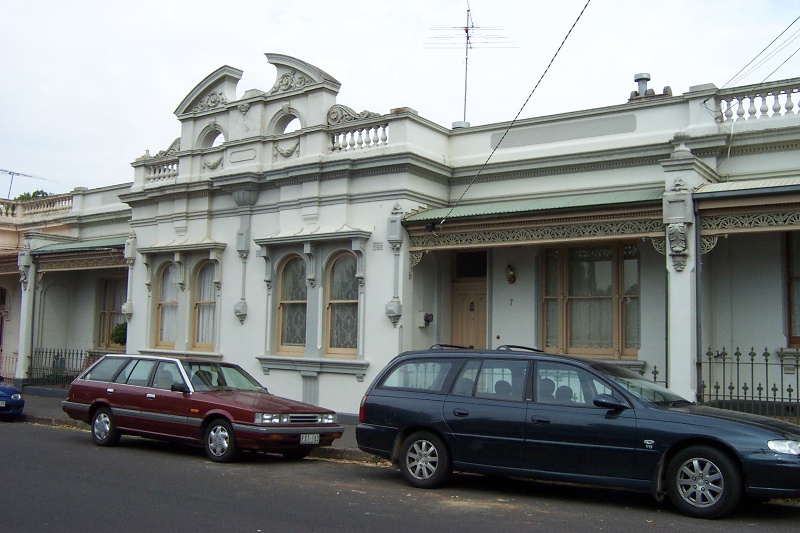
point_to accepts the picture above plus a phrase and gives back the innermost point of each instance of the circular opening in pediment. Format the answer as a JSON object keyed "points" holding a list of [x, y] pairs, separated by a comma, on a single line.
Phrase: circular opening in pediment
{"points": [[292, 126]]}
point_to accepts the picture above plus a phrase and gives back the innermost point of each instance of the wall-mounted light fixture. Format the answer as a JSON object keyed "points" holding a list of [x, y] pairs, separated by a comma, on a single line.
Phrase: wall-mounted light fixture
{"points": [[511, 277]]}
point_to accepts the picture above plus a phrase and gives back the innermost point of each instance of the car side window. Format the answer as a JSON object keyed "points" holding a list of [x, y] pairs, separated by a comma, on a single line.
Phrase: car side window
{"points": [[136, 372], [422, 375], [563, 384], [495, 379], [105, 370], [166, 374], [502, 379]]}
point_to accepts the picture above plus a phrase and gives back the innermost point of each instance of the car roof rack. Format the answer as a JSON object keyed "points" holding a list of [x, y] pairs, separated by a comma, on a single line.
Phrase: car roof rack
{"points": [[445, 346], [518, 347]]}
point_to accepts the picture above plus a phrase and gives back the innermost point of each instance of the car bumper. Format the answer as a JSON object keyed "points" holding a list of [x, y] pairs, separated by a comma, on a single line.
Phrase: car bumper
{"points": [[281, 438], [12, 407], [773, 475]]}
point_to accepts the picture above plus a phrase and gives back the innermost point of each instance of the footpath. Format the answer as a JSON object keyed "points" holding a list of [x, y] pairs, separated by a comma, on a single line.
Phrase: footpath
{"points": [[43, 406]]}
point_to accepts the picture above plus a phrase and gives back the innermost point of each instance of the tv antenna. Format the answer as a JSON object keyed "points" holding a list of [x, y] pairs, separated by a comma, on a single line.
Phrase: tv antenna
{"points": [[13, 173], [472, 35]]}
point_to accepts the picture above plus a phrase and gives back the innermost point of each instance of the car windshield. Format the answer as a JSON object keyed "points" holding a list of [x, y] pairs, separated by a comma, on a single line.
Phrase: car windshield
{"points": [[639, 386], [214, 376]]}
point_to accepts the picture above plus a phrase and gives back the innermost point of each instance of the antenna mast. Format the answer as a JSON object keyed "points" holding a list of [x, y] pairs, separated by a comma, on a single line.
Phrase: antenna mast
{"points": [[472, 35]]}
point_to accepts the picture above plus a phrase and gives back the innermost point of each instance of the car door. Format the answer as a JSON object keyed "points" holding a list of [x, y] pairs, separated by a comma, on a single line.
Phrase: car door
{"points": [[126, 394], [166, 411], [567, 435], [485, 413]]}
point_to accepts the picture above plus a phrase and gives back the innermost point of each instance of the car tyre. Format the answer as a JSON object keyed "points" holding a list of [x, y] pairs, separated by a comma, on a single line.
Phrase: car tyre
{"points": [[104, 429], [425, 460], [703, 482], [219, 441], [295, 455]]}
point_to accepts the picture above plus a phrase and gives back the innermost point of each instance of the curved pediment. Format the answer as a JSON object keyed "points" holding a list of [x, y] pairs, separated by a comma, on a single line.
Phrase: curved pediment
{"points": [[217, 89], [294, 74]]}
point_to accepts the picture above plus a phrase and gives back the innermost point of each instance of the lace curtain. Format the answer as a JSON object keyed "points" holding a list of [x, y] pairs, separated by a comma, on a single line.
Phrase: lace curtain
{"points": [[168, 304], [205, 305]]}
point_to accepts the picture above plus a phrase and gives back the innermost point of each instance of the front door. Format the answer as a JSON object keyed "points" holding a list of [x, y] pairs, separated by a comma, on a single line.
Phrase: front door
{"points": [[469, 314]]}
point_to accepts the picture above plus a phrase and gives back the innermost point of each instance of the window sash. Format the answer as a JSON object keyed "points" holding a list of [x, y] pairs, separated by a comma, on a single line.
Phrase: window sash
{"points": [[167, 307], [205, 307], [591, 300], [342, 306], [292, 306]]}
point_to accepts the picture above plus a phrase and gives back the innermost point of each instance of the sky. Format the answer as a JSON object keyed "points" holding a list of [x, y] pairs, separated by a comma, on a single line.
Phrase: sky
{"points": [[87, 86]]}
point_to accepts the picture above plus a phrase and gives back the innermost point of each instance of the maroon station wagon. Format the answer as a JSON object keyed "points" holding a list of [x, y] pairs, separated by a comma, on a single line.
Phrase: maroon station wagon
{"points": [[195, 400]]}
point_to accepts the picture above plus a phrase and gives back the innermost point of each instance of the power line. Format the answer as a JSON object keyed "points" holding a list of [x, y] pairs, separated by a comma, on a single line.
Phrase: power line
{"points": [[480, 170], [13, 173], [739, 75]]}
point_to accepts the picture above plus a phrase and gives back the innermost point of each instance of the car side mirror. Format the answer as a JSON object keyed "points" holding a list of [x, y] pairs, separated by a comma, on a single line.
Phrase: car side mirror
{"points": [[606, 401], [179, 386]]}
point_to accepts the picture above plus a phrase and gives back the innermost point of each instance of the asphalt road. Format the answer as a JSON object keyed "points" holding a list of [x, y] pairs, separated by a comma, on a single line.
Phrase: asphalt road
{"points": [[55, 479]]}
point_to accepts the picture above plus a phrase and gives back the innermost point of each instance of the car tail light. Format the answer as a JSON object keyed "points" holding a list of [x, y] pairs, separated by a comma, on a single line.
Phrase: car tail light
{"points": [[361, 410]]}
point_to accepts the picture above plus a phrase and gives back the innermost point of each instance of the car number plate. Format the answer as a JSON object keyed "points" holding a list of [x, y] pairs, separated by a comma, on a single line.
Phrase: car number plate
{"points": [[309, 438], [3, 404]]}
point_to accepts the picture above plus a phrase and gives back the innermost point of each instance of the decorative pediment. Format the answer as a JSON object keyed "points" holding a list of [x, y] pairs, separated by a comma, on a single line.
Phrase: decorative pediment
{"points": [[216, 90], [294, 74], [341, 114]]}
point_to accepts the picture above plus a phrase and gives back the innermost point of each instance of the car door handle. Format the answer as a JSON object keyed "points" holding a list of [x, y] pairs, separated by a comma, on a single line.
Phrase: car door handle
{"points": [[460, 412], [150, 396], [540, 420], [109, 390]]}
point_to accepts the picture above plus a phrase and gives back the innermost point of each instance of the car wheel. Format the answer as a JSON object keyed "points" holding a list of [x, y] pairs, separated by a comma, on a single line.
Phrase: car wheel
{"points": [[703, 482], [425, 460], [219, 442], [295, 455], [104, 430]]}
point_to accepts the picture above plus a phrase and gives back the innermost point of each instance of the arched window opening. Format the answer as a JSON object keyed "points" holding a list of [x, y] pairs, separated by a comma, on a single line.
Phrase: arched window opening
{"points": [[342, 306], [292, 126], [167, 306], [292, 306], [205, 307]]}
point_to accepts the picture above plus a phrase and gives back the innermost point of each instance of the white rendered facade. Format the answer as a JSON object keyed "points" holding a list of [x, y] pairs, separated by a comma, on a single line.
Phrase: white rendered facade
{"points": [[211, 231]]}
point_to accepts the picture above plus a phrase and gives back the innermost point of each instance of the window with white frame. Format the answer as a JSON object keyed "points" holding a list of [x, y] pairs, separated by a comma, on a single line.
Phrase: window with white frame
{"points": [[167, 307], [342, 305], [591, 300], [205, 307], [292, 307]]}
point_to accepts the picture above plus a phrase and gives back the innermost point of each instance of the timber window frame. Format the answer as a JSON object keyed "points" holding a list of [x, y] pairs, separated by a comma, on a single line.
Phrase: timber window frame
{"points": [[591, 300], [111, 294], [292, 308], [342, 305], [204, 308], [167, 306]]}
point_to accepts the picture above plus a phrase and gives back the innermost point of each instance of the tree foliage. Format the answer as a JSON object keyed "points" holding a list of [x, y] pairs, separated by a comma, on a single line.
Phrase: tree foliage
{"points": [[33, 195]]}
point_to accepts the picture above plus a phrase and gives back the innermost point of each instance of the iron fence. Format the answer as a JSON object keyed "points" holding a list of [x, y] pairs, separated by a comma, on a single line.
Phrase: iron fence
{"points": [[56, 366], [8, 365], [764, 383]]}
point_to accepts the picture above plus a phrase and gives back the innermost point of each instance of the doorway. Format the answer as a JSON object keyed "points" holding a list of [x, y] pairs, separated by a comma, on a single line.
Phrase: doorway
{"points": [[469, 299]]}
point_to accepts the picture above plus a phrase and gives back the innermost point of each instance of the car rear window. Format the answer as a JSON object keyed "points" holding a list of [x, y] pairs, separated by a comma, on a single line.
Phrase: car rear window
{"points": [[427, 375], [106, 369]]}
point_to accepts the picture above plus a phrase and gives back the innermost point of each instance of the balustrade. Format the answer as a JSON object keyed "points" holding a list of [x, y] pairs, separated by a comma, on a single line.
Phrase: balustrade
{"points": [[161, 170], [358, 137], [759, 102]]}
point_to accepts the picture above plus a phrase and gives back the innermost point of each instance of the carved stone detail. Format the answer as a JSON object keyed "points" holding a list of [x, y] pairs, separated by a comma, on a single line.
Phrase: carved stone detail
{"points": [[288, 152], [244, 108], [678, 246], [210, 101], [340, 114], [290, 81], [213, 164]]}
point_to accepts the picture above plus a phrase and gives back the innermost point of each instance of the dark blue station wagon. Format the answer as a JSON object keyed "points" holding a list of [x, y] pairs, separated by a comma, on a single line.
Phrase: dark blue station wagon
{"points": [[571, 420]]}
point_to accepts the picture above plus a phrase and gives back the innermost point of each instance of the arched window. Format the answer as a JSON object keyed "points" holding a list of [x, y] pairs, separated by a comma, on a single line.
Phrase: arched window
{"points": [[342, 306], [205, 307], [292, 306], [167, 307]]}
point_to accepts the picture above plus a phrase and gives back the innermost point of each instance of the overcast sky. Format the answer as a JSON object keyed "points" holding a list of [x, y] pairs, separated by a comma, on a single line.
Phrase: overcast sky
{"points": [[87, 86]]}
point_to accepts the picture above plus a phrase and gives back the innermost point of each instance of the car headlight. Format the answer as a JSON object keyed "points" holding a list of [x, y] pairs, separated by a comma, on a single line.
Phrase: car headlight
{"points": [[271, 418], [328, 418], [16, 396], [790, 447]]}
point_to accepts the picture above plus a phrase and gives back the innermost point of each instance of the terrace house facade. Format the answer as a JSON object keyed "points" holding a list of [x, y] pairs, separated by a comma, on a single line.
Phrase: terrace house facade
{"points": [[659, 233]]}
